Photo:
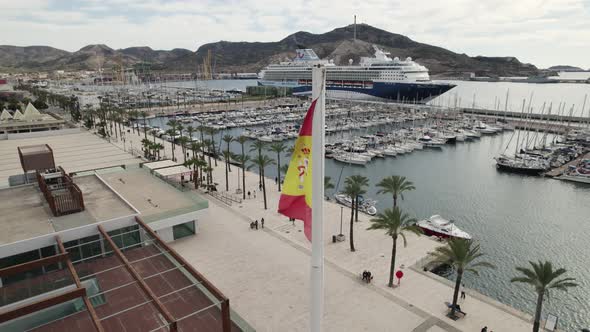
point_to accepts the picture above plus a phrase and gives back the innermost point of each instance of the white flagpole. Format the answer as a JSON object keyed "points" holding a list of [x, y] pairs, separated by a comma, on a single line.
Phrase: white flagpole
{"points": [[317, 209]]}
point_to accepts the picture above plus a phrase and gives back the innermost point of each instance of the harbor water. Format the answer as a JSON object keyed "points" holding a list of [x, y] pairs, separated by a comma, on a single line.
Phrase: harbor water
{"points": [[515, 218]]}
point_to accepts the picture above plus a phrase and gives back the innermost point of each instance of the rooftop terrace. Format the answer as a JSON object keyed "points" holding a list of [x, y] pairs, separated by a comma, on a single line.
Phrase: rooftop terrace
{"points": [[26, 213], [132, 282], [74, 152]]}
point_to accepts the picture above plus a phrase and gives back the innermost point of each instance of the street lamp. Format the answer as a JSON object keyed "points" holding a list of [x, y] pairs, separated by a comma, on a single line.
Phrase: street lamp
{"points": [[341, 211]]}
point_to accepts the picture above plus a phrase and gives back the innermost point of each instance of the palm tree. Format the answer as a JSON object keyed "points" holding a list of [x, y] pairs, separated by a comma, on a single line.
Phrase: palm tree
{"points": [[396, 186], [395, 223], [144, 115], [172, 133], [461, 255], [189, 131], [183, 141], [278, 148], [242, 140], [258, 146], [362, 182], [262, 162], [146, 143], [213, 132], [543, 278], [284, 168], [228, 139], [202, 130], [195, 147], [351, 190], [201, 164], [227, 155], [242, 160], [158, 147], [207, 144], [173, 124]]}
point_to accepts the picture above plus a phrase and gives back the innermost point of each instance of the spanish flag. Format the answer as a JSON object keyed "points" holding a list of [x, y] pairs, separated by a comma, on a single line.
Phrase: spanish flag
{"points": [[295, 201]]}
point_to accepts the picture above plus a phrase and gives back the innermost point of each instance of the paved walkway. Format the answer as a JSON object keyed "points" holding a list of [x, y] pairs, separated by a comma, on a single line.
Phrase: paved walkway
{"points": [[266, 273]]}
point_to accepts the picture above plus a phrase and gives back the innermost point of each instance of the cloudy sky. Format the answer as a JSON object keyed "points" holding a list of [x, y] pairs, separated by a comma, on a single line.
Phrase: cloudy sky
{"points": [[542, 32]]}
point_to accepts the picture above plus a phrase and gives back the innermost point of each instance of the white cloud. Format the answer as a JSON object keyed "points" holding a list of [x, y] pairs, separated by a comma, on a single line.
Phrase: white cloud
{"points": [[543, 32]]}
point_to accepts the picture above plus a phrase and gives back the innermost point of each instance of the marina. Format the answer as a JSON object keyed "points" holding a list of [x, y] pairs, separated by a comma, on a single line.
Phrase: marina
{"points": [[445, 172], [421, 167]]}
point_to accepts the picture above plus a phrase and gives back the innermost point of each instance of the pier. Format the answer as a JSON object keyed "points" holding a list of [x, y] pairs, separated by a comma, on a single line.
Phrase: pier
{"points": [[519, 115], [559, 170]]}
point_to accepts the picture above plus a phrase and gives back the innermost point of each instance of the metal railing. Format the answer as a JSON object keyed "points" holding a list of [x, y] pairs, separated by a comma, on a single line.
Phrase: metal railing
{"points": [[63, 198]]}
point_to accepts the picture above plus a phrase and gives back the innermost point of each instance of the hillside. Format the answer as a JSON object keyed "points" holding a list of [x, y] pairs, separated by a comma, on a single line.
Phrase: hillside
{"points": [[337, 44]]}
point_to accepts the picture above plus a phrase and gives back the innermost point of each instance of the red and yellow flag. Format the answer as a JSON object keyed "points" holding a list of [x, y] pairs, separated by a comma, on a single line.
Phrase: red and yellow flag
{"points": [[295, 201]]}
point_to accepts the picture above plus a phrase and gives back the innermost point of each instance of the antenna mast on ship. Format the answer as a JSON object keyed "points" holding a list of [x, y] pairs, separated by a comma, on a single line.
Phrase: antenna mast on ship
{"points": [[354, 39]]}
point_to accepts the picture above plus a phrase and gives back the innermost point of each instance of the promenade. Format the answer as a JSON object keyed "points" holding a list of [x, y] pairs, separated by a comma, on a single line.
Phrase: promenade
{"points": [[265, 273]]}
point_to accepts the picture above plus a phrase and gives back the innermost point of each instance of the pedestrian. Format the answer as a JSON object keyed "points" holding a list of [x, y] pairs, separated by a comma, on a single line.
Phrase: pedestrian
{"points": [[254, 192], [248, 194], [260, 186], [293, 221], [462, 291], [262, 222], [485, 329], [276, 180], [256, 224]]}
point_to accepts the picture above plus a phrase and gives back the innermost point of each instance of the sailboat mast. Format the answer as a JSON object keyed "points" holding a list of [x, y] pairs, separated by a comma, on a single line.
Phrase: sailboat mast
{"points": [[548, 126], [519, 130]]}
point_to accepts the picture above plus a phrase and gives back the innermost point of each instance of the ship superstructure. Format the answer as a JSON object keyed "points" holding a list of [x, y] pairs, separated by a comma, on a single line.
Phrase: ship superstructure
{"points": [[375, 78]]}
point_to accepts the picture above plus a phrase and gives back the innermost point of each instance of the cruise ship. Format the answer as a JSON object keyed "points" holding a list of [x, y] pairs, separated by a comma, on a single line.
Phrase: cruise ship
{"points": [[378, 78]]}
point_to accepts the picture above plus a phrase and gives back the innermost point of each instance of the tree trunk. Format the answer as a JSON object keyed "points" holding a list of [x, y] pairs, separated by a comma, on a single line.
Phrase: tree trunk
{"points": [[243, 174], [243, 180], [264, 188], [279, 170], [537, 323], [144, 129], [393, 254], [356, 208], [394, 201], [226, 176], [172, 149], [228, 164], [456, 292], [351, 235], [259, 170]]}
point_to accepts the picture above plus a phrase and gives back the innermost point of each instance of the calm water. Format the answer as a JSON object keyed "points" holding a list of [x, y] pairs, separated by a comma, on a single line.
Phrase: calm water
{"points": [[515, 218]]}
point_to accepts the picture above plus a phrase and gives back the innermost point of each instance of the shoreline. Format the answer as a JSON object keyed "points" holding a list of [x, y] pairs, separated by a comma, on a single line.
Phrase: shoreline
{"points": [[482, 309]]}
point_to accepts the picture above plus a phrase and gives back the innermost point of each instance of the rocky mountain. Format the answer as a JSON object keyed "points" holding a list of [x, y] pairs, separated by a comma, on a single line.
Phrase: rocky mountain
{"points": [[28, 57], [229, 57]]}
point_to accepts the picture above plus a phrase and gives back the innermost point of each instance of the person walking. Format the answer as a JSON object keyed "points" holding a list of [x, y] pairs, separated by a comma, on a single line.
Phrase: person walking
{"points": [[256, 224], [485, 329], [254, 192], [260, 187], [462, 291], [262, 222], [248, 194]]}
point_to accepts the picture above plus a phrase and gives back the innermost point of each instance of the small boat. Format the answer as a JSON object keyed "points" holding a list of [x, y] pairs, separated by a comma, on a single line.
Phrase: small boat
{"points": [[365, 205], [442, 228], [577, 174]]}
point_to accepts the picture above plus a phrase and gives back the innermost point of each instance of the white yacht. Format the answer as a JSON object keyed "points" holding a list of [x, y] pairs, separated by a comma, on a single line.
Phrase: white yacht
{"points": [[441, 227]]}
